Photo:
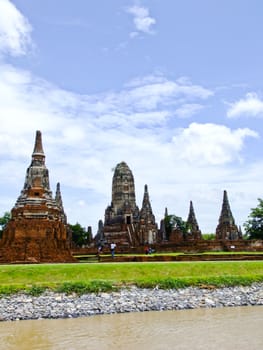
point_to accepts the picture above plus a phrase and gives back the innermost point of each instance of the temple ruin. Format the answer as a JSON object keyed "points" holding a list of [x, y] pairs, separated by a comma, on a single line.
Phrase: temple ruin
{"points": [[194, 232], [124, 223], [147, 227], [37, 231], [129, 226], [177, 234], [226, 228]]}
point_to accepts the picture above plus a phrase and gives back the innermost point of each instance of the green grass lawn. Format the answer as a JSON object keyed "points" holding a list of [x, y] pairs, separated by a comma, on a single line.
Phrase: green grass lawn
{"points": [[105, 276]]}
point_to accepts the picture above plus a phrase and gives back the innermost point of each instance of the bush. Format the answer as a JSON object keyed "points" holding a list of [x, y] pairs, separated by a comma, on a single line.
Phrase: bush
{"points": [[36, 290]]}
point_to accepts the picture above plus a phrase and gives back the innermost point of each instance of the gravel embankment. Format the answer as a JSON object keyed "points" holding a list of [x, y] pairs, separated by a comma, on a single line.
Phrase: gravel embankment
{"points": [[54, 305]]}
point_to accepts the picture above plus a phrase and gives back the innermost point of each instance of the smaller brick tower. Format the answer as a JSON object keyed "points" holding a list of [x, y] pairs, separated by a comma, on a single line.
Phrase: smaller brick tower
{"points": [[226, 228], [58, 199], [147, 227], [162, 231], [37, 231], [194, 232]]}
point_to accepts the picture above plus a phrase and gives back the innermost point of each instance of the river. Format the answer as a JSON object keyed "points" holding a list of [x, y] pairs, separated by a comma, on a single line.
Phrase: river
{"points": [[221, 329]]}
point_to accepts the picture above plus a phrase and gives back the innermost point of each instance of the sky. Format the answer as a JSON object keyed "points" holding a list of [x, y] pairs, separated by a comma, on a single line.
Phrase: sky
{"points": [[173, 88]]}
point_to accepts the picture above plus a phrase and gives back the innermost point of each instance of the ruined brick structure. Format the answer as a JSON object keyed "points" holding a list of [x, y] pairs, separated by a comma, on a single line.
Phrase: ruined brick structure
{"points": [[178, 234], [147, 227], [226, 228], [162, 232], [124, 223], [37, 231], [194, 231], [123, 208]]}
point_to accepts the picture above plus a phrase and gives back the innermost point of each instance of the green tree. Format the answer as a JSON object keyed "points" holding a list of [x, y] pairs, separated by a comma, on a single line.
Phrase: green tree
{"points": [[254, 224], [173, 221], [3, 222], [79, 235], [209, 236]]}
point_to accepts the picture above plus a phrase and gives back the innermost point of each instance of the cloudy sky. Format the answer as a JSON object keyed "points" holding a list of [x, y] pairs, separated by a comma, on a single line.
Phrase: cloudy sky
{"points": [[173, 88]]}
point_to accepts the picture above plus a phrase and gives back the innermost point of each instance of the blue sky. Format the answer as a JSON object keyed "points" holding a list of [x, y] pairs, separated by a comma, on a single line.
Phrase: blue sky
{"points": [[173, 88]]}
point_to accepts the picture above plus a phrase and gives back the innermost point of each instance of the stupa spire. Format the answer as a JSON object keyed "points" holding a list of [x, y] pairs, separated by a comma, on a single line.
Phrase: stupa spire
{"points": [[226, 214], [192, 222], [38, 148], [146, 210], [146, 200], [58, 199], [148, 227], [37, 174], [192, 218], [38, 156], [226, 228], [58, 196]]}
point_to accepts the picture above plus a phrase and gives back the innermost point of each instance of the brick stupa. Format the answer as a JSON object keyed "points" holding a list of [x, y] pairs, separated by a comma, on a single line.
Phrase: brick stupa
{"points": [[124, 223], [148, 230], [37, 231], [226, 228], [194, 231]]}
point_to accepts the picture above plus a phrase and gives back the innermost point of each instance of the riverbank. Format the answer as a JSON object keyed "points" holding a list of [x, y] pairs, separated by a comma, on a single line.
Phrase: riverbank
{"points": [[107, 277], [59, 305]]}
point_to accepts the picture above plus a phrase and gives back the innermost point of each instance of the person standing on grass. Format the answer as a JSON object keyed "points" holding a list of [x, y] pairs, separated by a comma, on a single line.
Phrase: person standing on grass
{"points": [[99, 251], [112, 249]]}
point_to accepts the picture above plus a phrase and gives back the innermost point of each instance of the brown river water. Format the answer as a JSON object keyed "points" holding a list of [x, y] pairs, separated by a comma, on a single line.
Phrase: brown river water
{"points": [[238, 328]]}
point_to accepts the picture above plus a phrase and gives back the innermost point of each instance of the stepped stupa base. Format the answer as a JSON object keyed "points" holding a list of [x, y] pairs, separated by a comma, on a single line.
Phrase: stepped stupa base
{"points": [[35, 251]]}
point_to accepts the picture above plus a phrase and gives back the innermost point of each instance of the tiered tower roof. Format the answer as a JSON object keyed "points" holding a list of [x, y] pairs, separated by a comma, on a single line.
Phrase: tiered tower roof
{"points": [[226, 216], [226, 228], [192, 218], [58, 199], [36, 188], [195, 232], [146, 210]]}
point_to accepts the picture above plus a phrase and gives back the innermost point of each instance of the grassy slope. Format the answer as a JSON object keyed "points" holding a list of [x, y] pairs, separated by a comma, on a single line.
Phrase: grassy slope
{"points": [[166, 275]]}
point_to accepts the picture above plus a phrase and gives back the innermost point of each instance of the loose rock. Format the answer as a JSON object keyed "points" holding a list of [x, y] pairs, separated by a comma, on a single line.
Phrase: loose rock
{"points": [[55, 305]]}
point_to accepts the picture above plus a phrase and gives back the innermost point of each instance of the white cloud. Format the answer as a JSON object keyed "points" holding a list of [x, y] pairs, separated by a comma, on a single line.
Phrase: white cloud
{"points": [[188, 110], [210, 143], [142, 21], [251, 105], [15, 30], [85, 136], [150, 95], [151, 92]]}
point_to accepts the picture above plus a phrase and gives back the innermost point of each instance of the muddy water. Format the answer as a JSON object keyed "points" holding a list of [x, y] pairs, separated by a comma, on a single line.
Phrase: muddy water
{"points": [[239, 328]]}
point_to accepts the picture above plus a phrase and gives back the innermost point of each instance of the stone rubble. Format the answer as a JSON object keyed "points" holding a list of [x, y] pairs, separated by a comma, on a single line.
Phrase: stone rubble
{"points": [[55, 305]]}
